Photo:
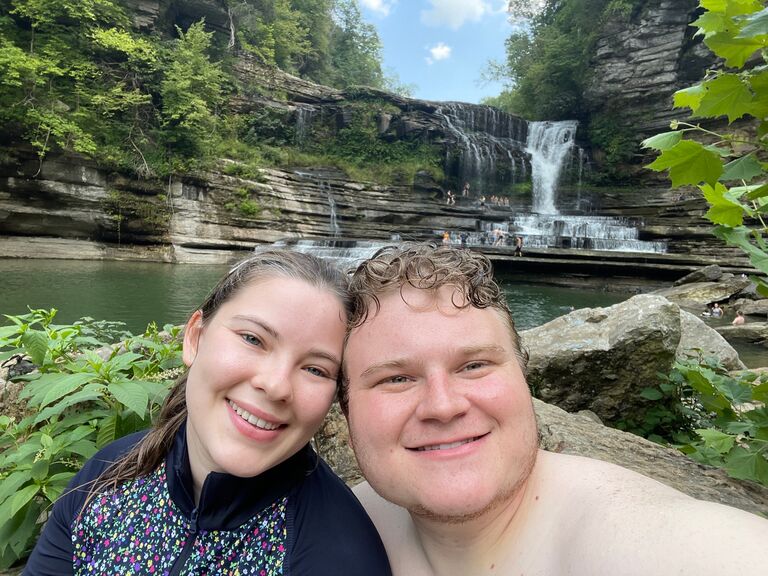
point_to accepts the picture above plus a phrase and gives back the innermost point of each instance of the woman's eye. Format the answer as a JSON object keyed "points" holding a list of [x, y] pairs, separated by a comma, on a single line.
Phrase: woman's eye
{"points": [[251, 339], [317, 372]]}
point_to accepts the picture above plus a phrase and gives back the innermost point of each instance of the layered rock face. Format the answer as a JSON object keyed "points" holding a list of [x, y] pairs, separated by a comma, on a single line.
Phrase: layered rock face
{"points": [[640, 63]]}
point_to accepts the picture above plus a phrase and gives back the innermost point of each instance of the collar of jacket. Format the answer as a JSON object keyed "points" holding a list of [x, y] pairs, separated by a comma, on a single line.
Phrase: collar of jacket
{"points": [[227, 501]]}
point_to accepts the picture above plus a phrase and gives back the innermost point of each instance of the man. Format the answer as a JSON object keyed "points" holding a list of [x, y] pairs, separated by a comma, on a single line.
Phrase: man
{"points": [[443, 428]]}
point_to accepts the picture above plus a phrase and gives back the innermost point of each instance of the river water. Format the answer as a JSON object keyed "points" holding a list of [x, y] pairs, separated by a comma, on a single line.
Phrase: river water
{"points": [[137, 293]]}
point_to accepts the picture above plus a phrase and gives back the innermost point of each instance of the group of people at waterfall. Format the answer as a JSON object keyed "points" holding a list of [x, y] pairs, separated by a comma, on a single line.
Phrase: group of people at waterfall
{"points": [[419, 347]]}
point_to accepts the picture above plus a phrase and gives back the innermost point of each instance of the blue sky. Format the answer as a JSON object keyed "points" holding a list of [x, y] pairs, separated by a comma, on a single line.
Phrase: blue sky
{"points": [[441, 46]]}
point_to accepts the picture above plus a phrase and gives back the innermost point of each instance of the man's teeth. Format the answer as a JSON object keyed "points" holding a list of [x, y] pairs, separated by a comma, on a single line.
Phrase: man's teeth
{"points": [[251, 419], [446, 446]]}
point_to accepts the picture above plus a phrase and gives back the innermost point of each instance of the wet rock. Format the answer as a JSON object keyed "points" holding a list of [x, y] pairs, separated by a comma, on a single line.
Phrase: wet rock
{"points": [[707, 274]]}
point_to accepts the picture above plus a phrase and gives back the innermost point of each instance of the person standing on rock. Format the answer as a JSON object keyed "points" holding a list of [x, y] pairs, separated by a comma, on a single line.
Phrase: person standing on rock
{"points": [[442, 424], [518, 246]]}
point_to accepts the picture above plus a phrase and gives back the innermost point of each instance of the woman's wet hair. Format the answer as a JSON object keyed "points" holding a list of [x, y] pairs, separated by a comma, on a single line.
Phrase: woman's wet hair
{"points": [[427, 266], [150, 452]]}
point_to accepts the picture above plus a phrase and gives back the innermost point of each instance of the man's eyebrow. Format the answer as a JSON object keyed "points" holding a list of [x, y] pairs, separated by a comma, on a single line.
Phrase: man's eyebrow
{"points": [[489, 349], [380, 366]]}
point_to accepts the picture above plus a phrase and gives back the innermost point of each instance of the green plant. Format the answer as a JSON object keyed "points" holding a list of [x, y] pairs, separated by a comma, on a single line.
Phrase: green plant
{"points": [[713, 416], [84, 393], [727, 166]]}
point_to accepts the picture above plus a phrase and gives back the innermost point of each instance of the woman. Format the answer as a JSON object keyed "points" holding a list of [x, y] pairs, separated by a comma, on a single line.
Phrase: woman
{"points": [[225, 482]]}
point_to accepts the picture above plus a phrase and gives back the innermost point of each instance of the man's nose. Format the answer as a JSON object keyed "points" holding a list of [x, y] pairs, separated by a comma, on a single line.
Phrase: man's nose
{"points": [[441, 399], [273, 377]]}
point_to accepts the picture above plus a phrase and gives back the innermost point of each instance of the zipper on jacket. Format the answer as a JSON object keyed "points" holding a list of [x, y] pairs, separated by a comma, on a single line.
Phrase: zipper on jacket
{"points": [[188, 545]]}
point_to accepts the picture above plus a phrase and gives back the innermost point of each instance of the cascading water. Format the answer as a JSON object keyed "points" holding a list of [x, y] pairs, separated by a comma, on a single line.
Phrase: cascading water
{"points": [[549, 144], [335, 228]]}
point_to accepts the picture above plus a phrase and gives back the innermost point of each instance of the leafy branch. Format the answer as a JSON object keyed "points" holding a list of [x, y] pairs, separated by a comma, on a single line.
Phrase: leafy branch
{"points": [[729, 169]]}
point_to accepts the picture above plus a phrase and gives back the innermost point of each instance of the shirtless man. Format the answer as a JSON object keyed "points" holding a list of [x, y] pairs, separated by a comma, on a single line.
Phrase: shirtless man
{"points": [[443, 427]]}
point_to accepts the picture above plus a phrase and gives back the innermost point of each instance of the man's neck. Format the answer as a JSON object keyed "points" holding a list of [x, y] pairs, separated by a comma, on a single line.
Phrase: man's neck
{"points": [[481, 545]]}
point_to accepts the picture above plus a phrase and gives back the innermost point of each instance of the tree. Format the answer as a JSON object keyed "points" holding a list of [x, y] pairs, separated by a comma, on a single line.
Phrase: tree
{"points": [[191, 94], [355, 48]]}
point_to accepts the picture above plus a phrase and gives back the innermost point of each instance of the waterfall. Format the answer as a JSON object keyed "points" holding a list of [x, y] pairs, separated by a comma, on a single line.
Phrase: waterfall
{"points": [[304, 117], [549, 144], [335, 228]]}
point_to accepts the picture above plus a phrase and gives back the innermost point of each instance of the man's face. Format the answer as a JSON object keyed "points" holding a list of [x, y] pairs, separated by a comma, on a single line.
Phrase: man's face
{"points": [[440, 416]]}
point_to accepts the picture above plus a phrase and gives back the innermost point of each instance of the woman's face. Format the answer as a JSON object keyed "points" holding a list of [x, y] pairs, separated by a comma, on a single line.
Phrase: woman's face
{"points": [[262, 375]]}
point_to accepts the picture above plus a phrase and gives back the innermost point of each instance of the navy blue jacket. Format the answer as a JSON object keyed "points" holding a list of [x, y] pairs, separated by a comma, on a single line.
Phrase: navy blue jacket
{"points": [[296, 519]]}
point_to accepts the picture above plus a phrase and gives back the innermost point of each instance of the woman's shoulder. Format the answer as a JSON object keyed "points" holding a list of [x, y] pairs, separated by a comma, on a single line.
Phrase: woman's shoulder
{"points": [[332, 528]]}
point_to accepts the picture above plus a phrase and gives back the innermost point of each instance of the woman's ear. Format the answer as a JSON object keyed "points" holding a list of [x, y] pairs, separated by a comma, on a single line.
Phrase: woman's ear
{"points": [[192, 332]]}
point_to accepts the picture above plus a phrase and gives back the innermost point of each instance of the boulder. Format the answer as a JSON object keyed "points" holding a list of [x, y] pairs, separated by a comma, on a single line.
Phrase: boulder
{"points": [[696, 337], [707, 274], [697, 295], [600, 359], [751, 307], [577, 434], [751, 332]]}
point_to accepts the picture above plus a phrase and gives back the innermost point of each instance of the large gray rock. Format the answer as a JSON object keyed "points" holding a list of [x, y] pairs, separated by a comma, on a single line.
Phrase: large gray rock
{"points": [[560, 431], [697, 338], [710, 273], [697, 295], [751, 332], [600, 359]]}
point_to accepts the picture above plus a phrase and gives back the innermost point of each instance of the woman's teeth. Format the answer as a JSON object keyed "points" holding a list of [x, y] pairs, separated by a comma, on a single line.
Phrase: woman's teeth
{"points": [[251, 419]]}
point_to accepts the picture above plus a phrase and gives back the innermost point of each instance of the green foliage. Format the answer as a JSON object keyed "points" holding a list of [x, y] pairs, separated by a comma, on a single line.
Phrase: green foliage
{"points": [[548, 55], [713, 416], [84, 393], [729, 168], [191, 93]]}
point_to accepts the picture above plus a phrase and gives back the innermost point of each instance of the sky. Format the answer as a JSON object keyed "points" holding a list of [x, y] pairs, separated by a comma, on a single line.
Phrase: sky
{"points": [[441, 47]]}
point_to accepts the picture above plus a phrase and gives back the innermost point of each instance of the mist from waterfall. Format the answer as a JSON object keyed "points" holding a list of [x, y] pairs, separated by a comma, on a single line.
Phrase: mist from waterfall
{"points": [[549, 144]]}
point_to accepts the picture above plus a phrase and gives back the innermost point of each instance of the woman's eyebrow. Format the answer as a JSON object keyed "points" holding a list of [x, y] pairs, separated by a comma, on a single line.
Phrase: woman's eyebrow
{"points": [[263, 325]]}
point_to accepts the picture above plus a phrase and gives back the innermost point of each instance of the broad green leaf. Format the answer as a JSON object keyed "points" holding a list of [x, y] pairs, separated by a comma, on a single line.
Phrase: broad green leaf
{"points": [[711, 22], [725, 95], [757, 192], [134, 397], [651, 394], [11, 483], [689, 162], [107, 431], [716, 440], [746, 465], [745, 168], [739, 427], [22, 497], [90, 392], [722, 209], [741, 237], [36, 345], [714, 5], [663, 141], [689, 97], [65, 384], [754, 25], [40, 470], [734, 391], [734, 50]]}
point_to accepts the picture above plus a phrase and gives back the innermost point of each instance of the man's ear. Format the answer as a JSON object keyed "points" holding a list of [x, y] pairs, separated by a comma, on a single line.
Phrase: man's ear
{"points": [[192, 332]]}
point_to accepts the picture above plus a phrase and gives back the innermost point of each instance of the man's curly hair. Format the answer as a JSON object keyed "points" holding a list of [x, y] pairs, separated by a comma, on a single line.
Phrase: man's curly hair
{"points": [[426, 266]]}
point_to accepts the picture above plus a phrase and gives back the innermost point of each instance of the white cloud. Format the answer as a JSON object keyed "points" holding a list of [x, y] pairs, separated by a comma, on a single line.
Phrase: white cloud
{"points": [[380, 7], [454, 13], [439, 51]]}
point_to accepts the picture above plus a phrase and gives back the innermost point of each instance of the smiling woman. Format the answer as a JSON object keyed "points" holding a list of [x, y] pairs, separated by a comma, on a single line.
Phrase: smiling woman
{"points": [[226, 482]]}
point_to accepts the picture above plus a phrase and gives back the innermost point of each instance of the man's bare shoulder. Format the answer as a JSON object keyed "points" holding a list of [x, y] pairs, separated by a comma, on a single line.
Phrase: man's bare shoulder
{"points": [[646, 527]]}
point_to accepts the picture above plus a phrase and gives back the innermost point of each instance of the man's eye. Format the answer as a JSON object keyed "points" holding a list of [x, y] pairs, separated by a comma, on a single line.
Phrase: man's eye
{"points": [[395, 380], [251, 339], [474, 365]]}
